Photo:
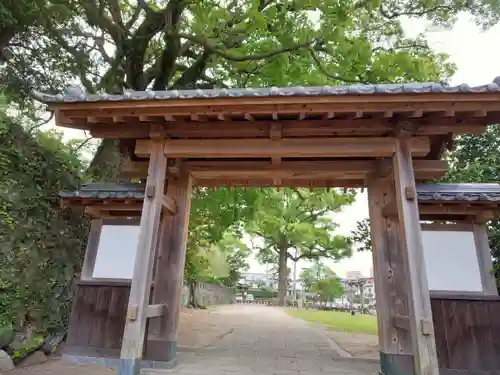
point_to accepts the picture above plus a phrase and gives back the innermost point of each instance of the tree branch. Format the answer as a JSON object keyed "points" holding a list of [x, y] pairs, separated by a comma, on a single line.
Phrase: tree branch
{"points": [[208, 47], [323, 70]]}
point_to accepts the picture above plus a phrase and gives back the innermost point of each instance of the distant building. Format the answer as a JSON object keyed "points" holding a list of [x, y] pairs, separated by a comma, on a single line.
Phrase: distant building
{"points": [[258, 279], [350, 275]]}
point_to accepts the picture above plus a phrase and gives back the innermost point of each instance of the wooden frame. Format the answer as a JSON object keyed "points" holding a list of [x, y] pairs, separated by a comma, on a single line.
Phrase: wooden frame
{"points": [[286, 140], [93, 247]]}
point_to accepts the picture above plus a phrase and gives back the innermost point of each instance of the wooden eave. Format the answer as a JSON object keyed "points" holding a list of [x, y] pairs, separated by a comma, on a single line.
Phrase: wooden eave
{"points": [[444, 210], [307, 116]]}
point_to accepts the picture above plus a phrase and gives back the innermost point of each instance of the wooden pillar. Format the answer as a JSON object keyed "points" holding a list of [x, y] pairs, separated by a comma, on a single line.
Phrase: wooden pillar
{"points": [[162, 337], [488, 280], [421, 324], [91, 250], [140, 290], [395, 345]]}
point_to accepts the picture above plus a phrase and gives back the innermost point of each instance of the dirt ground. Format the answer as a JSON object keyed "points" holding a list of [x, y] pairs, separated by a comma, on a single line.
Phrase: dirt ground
{"points": [[201, 328], [359, 345]]}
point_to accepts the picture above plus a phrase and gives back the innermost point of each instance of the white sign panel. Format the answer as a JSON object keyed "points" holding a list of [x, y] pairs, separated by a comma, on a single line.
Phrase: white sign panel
{"points": [[451, 261], [116, 252]]}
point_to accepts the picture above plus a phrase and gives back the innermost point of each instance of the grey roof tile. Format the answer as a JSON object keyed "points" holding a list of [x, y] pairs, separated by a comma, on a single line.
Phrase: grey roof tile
{"points": [[76, 94], [459, 192], [425, 192]]}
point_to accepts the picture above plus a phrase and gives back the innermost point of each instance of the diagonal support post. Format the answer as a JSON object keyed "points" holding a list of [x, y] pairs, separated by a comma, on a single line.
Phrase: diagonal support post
{"points": [[419, 303], [140, 290]]}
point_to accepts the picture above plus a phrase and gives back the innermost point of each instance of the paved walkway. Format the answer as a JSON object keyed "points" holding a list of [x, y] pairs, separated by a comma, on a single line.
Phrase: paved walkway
{"points": [[265, 341], [268, 341]]}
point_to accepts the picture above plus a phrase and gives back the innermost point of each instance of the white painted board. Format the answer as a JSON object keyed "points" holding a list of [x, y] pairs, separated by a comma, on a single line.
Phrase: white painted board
{"points": [[451, 261], [116, 252]]}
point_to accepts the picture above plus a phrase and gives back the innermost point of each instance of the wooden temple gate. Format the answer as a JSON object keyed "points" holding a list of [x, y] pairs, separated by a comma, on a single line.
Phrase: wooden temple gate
{"points": [[384, 137]]}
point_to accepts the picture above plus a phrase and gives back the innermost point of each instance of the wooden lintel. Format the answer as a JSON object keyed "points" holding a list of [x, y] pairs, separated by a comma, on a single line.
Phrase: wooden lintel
{"points": [[155, 310], [308, 147], [169, 205], [291, 128], [401, 322], [424, 169]]}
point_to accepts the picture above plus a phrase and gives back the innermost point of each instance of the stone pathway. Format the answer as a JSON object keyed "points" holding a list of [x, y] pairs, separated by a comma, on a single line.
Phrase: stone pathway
{"points": [[267, 341], [264, 341]]}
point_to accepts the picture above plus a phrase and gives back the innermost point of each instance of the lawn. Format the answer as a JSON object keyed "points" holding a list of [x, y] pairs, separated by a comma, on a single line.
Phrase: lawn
{"points": [[338, 321]]}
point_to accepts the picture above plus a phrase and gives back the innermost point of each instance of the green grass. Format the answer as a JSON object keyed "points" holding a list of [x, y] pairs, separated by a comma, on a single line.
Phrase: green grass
{"points": [[338, 321]]}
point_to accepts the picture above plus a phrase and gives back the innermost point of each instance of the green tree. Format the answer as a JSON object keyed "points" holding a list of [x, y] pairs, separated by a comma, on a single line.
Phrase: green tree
{"points": [[328, 288], [215, 221], [298, 219], [42, 246], [310, 275]]}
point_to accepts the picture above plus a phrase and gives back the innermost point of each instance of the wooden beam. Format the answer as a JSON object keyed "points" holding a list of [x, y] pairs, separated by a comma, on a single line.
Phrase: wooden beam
{"points": [[290, 128], [389, 274], [424, 169], [135, 325], [170, 270], [309, 147], [423, 342], [484, 259], [91, 250], [155, 310]]}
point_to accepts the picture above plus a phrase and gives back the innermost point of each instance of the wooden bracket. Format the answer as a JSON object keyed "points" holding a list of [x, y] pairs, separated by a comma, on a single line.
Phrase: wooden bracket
{"points": [[410, 193], [150, 191], [155, 310], [132, 313], [426, 327]]}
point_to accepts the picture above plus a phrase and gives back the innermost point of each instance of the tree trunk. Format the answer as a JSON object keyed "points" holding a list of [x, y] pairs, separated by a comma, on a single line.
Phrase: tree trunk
{"points": [[282, 276], [192, 294]]}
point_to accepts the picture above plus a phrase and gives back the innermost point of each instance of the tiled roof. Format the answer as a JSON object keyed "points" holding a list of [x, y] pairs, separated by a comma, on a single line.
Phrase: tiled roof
{"points": [[459, 192], [107, 190], [76, 94], [425, 192]]}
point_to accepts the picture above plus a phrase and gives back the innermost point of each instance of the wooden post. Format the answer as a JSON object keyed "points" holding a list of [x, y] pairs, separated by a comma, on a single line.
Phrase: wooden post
{"points": [[395, 345], [140, 290], [484, 259], [421, 324], [162, 337], [91, 250]]}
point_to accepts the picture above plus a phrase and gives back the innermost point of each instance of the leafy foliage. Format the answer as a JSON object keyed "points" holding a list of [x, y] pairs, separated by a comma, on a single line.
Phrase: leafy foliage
{"points": [[328, 288], [361, 235], [294, 224], [309, 276], [41, 246]]}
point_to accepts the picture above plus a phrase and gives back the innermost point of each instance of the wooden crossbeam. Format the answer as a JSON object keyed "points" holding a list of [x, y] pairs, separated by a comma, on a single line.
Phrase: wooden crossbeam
{"points": [[155, 310], [290, 128], [329, 169], [308, 147]]}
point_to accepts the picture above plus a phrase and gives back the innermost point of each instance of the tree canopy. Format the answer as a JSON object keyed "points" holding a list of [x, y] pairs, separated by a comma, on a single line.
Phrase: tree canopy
{"points": [[114, 45], [297, 224]]}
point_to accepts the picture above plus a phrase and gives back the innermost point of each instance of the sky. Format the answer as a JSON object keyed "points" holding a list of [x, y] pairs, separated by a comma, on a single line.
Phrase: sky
{"points": [[477, 57]]}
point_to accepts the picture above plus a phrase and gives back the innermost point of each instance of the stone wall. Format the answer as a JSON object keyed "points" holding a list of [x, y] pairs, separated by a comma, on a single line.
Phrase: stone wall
{"points": [[209, 294]]}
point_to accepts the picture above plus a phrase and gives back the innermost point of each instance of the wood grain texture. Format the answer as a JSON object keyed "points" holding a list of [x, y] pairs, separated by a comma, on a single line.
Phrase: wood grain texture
{"points": [[467, 335], [135, 329], [98, 317], [289, 147], [388, 270], [424, 345]]}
